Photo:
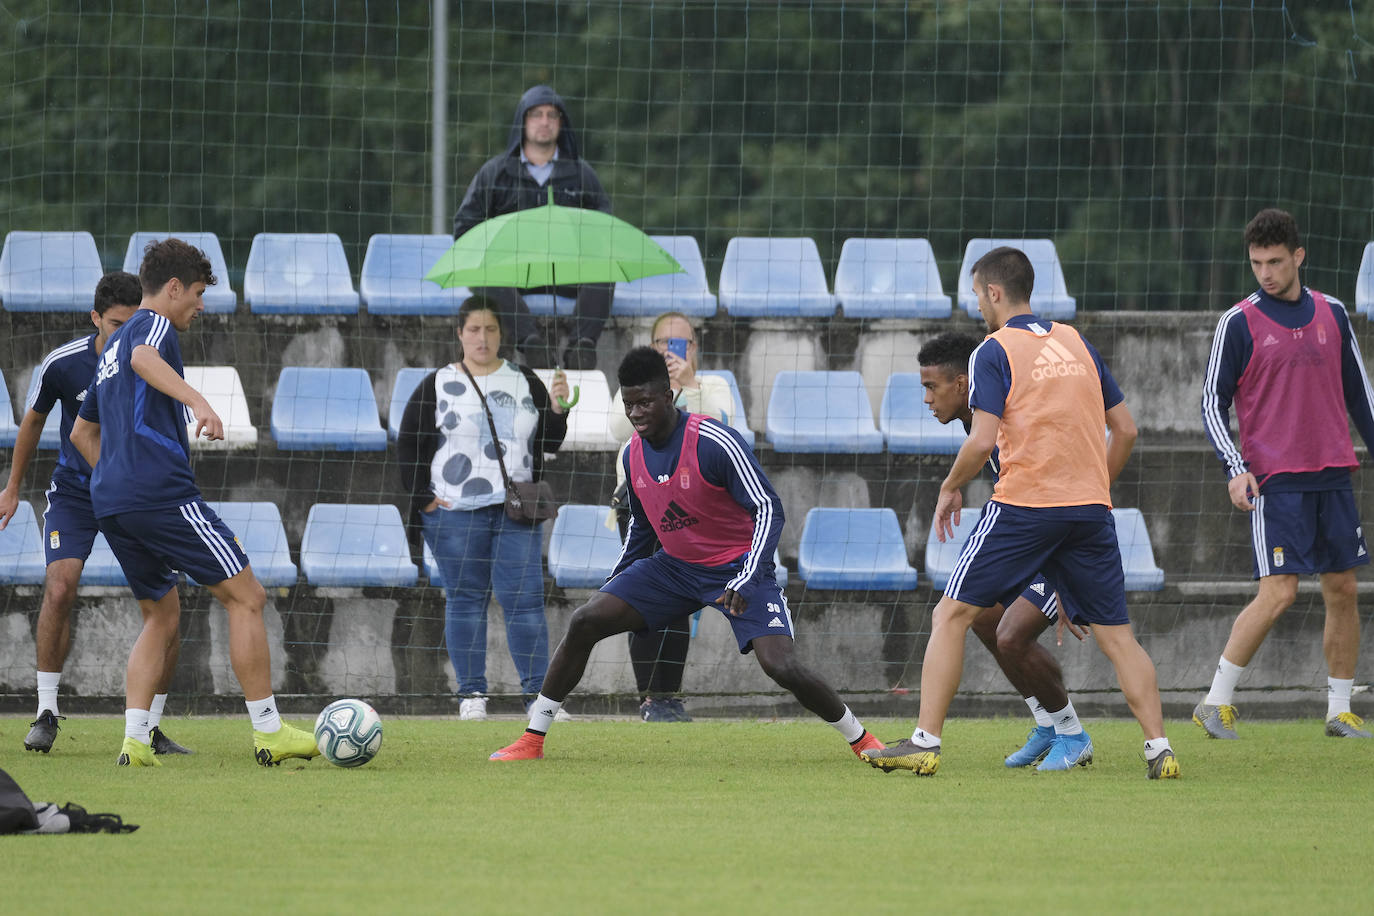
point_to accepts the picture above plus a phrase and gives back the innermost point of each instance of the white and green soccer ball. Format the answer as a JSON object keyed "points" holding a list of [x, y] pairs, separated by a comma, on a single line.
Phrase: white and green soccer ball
{"points": [[348, 733]]}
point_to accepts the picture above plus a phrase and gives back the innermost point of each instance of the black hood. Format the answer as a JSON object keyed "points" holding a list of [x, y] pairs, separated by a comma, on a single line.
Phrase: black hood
{"points": [[542, 95]]}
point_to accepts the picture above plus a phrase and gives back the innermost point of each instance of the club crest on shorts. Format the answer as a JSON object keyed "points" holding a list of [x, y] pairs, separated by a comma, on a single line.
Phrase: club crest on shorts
{"points": [[1278, 557], [54, 539]]}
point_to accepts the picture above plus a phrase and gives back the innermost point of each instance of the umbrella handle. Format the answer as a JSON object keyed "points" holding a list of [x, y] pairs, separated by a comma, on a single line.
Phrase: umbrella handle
{"points": [[577, 395]]}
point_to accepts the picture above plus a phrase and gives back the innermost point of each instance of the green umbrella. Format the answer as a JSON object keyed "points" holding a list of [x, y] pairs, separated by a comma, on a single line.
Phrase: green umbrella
{"points": [[551, 246]]}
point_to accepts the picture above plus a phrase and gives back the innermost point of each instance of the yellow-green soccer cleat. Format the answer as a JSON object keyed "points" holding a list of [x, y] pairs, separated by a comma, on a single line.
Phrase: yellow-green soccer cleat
{"points": [[272, 748], [904, 755], [1164, 766], [135, 753], [1346, 725], [1217, 721]]}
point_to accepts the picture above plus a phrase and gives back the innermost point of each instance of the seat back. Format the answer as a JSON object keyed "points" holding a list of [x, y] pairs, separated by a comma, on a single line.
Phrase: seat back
{"points": [[1364, 283], [907, 423], [349, 544], [1049, 296], [318, 408], [407, 379], [299, 273], [582, 550], [223, 388], [821, 411], [941, 557], [738, 421], [49, 271], [890, 278], [393, 281], [687, 293], [777, 277], [588, 427], [854, 549], [1137, 555], [220, 298], [22, 561], [260, 532], [9, 429]]}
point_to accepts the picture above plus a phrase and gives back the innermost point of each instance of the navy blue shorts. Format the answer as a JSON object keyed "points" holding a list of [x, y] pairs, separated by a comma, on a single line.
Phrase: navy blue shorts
{"points": [[153, 545], [1011, 545], [1044, 596], [1305, 533], [69, 526], [663, 588]]}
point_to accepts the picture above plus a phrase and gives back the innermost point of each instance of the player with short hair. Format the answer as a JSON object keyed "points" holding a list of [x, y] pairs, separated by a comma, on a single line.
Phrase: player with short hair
{"points": [[696, 483], [1050, 510], [1286, 357], [69, 526], [1011, 632], [132, 431]]}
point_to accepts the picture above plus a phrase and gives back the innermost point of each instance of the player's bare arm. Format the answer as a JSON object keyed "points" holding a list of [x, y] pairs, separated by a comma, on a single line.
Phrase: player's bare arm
{"points": [[154, 370], [973, 454], [1121, 436], [85, 438], [25, 444]]}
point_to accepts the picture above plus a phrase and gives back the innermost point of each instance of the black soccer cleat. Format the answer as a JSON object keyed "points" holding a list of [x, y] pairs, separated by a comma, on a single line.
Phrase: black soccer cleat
{"points": [[163, 745], [43, 732]]}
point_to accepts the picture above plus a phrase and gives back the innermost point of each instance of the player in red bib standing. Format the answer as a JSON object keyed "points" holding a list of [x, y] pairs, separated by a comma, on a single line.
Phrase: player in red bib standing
{"points": [[1285, 357], [696, 486]]}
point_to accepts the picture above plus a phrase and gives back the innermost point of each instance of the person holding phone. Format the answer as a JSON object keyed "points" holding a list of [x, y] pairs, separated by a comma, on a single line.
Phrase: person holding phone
{"points": [[660, 656]]}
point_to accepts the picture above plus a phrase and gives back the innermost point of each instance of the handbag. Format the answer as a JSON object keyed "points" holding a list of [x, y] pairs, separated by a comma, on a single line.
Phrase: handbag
{"points": [[528, 501]]}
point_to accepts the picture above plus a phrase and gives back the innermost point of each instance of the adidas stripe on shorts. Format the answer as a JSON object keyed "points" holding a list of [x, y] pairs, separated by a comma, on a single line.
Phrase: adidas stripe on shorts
{"points": [[153, 545]]}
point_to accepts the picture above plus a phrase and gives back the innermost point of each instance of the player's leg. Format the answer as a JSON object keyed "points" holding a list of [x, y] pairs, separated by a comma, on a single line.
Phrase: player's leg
{"points": [[777, 656], [1135, 672], [659, 657], [147, 659], [162, 744], [517, 578], [1341, 645], [1041, 681], [53, 638], [462, 542]]}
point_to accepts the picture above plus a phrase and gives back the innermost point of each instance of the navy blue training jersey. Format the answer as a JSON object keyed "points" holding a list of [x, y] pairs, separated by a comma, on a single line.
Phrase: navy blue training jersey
{"points": [[144, 452], [63, 378]]}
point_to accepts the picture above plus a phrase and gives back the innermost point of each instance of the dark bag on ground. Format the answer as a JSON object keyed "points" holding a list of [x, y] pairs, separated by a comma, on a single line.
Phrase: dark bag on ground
{"points": [[530, 501], [19, 815]]}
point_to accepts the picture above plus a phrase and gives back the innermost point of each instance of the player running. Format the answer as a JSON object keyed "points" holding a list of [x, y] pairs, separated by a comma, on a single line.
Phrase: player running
{"points": [[696, 484], [69, 525], [132, 431]]}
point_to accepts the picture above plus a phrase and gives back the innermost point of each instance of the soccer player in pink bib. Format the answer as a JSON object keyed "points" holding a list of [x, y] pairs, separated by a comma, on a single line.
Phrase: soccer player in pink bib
{"points": [[1285, 357], [696, 486]]}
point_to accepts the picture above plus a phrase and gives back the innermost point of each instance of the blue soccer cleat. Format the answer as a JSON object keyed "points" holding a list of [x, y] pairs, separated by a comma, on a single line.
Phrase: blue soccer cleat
{"points": [[1068, 751], [1037, 745]]}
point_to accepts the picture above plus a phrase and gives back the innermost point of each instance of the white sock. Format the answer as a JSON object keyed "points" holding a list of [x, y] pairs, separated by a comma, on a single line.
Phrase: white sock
{"points": [[1338, 695], [542, 711], [264, 714], [155, 711], [1066, 721], [47, 691], [1042, 715], [1224, 684], [136, 725], [922, 738], [848, 726], [1156, 746]]}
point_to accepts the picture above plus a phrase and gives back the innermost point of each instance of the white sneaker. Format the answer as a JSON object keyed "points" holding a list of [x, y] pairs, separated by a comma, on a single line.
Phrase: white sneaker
{"points": [[562, 715], [472, 709]]}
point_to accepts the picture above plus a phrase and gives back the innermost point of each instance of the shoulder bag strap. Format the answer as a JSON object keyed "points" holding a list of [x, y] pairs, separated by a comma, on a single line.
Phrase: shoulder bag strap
{"points": [[491, 424]]}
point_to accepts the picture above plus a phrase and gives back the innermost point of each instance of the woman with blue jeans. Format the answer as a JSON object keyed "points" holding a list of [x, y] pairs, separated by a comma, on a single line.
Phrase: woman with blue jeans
{"points": [[448, 461]]}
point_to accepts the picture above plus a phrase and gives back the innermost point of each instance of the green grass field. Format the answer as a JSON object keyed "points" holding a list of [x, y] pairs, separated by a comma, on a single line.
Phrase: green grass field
{"points": [[715, 816]]}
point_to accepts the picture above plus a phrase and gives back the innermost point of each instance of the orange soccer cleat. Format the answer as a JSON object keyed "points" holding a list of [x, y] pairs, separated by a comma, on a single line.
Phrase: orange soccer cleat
{"points": [[529, 747]]}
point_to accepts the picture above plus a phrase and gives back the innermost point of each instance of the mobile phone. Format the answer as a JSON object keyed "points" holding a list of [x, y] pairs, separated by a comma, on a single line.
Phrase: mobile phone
{"points": [[678, 347]]}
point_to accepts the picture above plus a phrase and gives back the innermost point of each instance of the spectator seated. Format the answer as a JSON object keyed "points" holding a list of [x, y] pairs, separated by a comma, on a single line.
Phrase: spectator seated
{"points": [[219, 299], [299, 273], [774, 277], [224, 390], [582, 550], [587, 421], [326, 409], [49, 271], [858, 549], [101, 566], [940, 558], [687, 293], [407, 379], [22, 561], [1049, 297], [260, 532], [1364, 283], [822, 412], [738, 421], [907, 423], [1137, 555], [393, 276], [890, 278], [356, 545], [9, 429]]}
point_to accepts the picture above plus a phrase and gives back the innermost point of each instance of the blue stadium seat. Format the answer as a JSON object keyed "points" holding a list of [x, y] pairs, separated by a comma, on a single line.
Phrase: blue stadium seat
{"points": [[687, 293], [432, 569], [1137, 555], [1364, 283], [940, 558], [737, 418], [393, 276], [49, 272], [223, 388], [260, 532], [22, 561], [890, 278], [854, 549], [316, 408], [356, 545], [299, 273], [582, 550], [1049, 297], [9, 429], [907, 423], [101, 566], [774, 278], [51, 437], [407, 378], [821, 411], [219, 299]]}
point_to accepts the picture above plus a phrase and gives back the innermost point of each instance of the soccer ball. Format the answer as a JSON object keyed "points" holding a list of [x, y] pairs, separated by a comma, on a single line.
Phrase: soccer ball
{"points": [[348, 733]]}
